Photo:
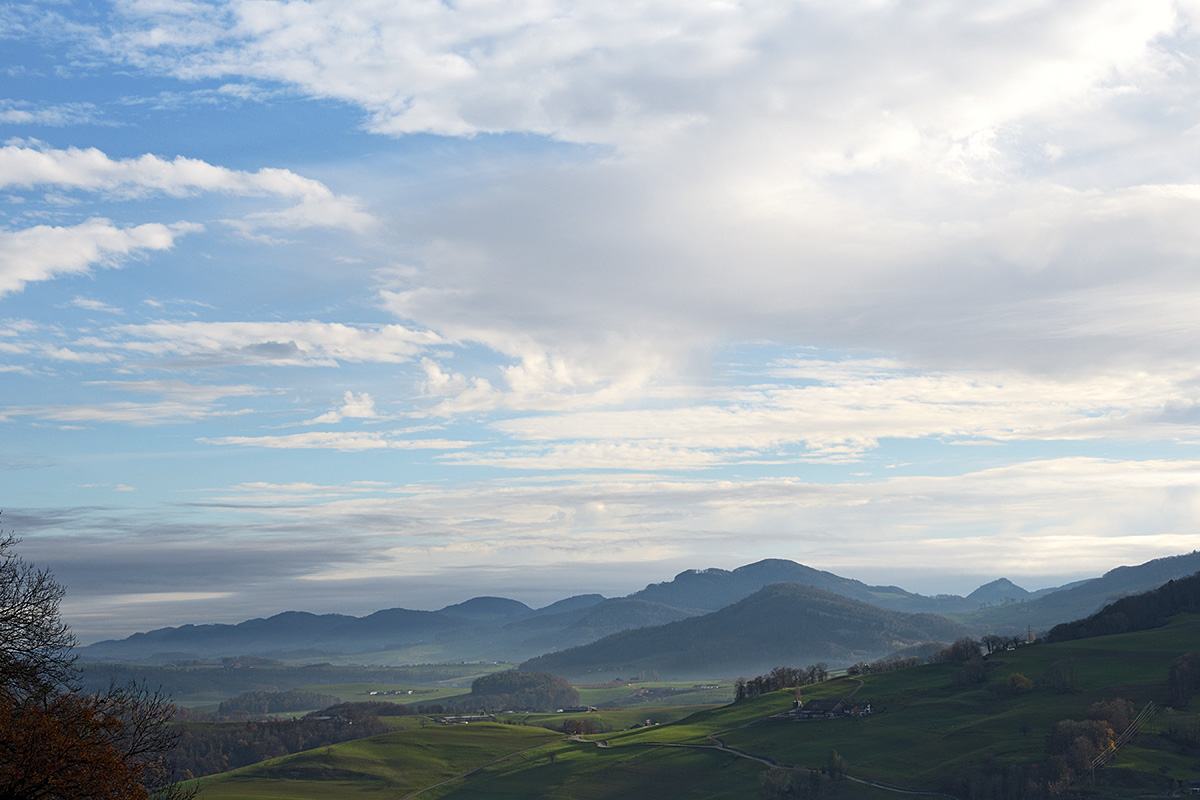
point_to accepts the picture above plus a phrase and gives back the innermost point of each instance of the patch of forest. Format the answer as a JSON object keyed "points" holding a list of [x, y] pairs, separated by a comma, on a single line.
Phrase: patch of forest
{"points": [[521, 691], [207, 749], [274, 702]]}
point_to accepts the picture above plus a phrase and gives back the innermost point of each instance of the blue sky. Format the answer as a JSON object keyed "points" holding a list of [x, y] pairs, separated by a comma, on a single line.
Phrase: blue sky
{"points": [[349, 305]]}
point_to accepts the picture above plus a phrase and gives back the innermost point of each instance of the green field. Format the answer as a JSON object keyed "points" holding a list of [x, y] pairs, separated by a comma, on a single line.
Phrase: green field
{"points": [[392, 765], [930, 726], [924, 725]]}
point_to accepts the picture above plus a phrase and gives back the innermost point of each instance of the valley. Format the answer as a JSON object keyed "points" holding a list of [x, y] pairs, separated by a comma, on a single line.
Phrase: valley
{"points": [[928, 731]]}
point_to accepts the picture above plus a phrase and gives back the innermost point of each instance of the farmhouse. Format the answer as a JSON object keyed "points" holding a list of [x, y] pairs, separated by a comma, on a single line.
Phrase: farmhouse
{"points": [[819, 709], [828, 709]]}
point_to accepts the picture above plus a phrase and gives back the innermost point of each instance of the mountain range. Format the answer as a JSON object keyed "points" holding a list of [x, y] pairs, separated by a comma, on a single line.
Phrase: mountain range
{"points": [[780, 624], [765, 608]]}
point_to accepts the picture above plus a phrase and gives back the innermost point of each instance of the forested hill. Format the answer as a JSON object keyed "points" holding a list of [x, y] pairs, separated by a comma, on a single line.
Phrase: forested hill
{"points": [[530, 691], [1136, 613], [779, 624]]}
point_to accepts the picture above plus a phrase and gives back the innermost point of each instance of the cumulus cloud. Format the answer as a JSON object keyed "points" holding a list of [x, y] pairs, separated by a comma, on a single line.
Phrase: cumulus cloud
{"points": [[44, 252], [802, 173], [360, 406], [979, 218], [594, 72]]}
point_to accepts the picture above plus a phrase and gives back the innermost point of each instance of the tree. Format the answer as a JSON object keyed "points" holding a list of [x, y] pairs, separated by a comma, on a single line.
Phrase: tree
{"points": [[964, 649], [35, 644], [57, 742], [1018, 683], [836, 766], [994, 643]]}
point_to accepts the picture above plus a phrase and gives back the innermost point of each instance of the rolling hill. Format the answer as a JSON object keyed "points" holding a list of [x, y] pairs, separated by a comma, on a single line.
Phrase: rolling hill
{"points": [[929, 733], [784, 623]]}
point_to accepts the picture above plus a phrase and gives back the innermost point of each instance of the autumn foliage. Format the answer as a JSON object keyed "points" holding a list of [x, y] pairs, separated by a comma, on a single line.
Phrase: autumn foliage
{"points": [[63, 747], [56, 742]]}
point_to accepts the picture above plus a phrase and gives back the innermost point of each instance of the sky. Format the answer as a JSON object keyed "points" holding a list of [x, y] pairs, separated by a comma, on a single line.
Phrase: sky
{"points": [[340, 305]]}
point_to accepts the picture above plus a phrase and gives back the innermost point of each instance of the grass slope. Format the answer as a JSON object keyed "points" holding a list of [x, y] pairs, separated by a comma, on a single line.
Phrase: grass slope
{"points": [[931, 726], [388, 766]]}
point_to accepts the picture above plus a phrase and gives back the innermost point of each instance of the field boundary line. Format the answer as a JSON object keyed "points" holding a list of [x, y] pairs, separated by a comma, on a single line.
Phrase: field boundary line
{"points": [[481, 767]]}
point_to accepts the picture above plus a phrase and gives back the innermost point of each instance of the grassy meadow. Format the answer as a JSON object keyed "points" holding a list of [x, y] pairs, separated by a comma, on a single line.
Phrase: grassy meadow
{"points": [[925, 723]]}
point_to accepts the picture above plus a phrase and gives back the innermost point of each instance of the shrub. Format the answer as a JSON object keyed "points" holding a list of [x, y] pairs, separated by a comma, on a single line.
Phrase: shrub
{"points": [[1018, 683]]}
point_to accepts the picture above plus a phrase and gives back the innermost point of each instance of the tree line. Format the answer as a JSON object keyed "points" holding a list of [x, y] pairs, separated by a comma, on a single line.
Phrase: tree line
{"points": [[779, 678], [207, 749], [274, 702]]}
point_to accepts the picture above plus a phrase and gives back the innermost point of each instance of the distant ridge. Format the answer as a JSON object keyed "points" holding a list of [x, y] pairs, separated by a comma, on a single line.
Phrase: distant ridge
{"points": [[1084, 598], [501, 629], [712, 589], [1136, 612], [1001, 590], [784, 623]]}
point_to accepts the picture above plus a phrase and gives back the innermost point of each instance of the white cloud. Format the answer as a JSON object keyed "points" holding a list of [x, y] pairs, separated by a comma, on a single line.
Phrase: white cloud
{"points": [[181, 390], [649, 456], [360, 406], [15, 112], [297, 343], [597, 72], [25, 166], [335, 440], [813, 409], [942, 178], [44, 252], [91, 304], [163, 412], [1001, 199], [180, 402], [1050, 518]]}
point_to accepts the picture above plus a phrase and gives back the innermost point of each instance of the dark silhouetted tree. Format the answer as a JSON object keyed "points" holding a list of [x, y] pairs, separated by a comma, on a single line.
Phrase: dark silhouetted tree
{"points": [[57, 742]]}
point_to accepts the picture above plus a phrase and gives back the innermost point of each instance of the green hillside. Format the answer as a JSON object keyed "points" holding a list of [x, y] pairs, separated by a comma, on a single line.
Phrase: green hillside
{"points": [[784, 623], [388, 766], [930, 730], [932, 727]]}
